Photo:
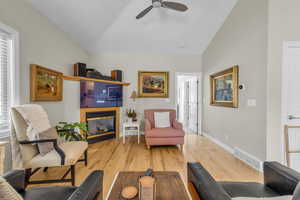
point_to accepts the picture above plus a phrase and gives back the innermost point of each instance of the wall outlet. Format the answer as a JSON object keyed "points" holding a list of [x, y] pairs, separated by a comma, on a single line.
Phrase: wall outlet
{"points": [[251, 102]]}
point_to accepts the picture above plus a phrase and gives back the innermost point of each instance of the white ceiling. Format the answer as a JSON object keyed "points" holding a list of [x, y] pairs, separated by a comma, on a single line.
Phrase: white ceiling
{"points": [[110, 25]]}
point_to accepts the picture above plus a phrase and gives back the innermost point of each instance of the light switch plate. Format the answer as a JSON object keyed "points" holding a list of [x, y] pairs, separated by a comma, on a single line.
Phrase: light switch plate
{"points": [[251, 102]]}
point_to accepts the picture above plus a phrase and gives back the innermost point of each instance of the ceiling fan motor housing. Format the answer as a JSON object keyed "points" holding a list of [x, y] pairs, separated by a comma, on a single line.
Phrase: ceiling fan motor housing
{"points": [[156, 3]]}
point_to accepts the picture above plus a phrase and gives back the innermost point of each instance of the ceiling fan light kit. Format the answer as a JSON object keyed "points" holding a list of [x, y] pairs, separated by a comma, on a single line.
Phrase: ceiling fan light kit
{"points": [[163, 4]]}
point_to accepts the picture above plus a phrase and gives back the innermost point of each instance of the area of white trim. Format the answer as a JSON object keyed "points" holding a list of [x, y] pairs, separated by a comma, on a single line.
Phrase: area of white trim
{"points": [[199, 75], [218, 142], [284, 90], [233, 151], [14, 73], [15, 61]]}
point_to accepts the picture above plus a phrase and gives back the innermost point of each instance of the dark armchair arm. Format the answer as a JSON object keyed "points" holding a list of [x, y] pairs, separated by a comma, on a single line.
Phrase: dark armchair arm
{"points": [[55, 145], [16, 179], [90, 188], [205, 185], [280, 178]]}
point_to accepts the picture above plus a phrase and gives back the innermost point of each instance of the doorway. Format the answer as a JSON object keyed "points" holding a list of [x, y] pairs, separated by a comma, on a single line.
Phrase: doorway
{"points": [[188, 101], [291, 101]]}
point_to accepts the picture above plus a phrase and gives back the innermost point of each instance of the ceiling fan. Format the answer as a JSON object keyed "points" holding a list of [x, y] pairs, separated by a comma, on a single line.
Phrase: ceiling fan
{"points": [[164, 4]]}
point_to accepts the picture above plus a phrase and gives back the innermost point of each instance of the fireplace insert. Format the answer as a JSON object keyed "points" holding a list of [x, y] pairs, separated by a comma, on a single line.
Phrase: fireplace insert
{"points": [[101, 125]]}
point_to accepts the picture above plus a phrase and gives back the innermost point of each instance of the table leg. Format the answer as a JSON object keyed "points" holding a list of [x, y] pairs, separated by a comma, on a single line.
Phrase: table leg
{"points": [[138, 134], [124, 134]]}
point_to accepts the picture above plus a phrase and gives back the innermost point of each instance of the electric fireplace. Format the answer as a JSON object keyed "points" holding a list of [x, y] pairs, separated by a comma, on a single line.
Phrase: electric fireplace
{"points": [[102, 123]]}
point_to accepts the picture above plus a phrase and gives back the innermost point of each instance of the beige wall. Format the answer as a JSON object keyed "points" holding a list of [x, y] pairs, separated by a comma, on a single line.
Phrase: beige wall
{"points": [[131, 63], [242, 41], [283, 26], [43, 43]]}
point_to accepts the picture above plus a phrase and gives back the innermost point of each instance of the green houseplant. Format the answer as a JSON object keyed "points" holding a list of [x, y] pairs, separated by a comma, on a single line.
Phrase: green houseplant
{"points": [[72, 131]]}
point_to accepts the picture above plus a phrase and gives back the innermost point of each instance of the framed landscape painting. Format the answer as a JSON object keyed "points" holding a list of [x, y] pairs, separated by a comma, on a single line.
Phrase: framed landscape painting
{"points": [[224, 88], [45, 84], [153, 84]]}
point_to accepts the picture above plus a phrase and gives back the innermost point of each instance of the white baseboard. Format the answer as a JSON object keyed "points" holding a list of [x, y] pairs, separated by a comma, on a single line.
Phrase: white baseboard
{"points": [[221, 144], [247, 158]]}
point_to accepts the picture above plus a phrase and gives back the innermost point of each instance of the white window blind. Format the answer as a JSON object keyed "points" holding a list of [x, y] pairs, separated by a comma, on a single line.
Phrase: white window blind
{"points": [[5, 85]]}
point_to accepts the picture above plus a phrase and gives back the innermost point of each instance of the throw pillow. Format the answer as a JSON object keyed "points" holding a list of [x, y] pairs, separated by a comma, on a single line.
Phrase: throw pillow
{"points": [[7, 192], [162, 119], [46, 147], [286, 197]]}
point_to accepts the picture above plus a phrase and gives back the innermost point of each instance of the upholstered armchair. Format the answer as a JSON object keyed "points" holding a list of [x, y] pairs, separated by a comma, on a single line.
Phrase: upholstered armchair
{"points": [[26, 154], [173, 135], [90, 189]]}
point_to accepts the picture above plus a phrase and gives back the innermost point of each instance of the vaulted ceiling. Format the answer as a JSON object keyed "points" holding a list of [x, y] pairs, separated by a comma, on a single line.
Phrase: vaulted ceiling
{"points": [[110, 25]]}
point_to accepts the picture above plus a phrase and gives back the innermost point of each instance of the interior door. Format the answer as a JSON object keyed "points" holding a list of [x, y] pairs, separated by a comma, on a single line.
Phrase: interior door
{"points": [[193, 104], [291, 98]]}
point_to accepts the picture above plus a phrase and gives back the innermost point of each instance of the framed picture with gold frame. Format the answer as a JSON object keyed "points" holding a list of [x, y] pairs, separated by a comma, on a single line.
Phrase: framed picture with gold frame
{"points": [[224, 88], [153, 84], [45, 84]]}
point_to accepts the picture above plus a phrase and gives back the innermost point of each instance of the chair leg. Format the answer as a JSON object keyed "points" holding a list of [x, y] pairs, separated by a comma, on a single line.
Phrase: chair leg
{"points": [[45, 169], [73, 174], [86, 158], [148, 147], [27, 176]]}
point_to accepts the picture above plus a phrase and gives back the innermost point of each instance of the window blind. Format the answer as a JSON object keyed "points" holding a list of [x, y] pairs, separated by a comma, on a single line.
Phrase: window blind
{"points": [[5, 49]]}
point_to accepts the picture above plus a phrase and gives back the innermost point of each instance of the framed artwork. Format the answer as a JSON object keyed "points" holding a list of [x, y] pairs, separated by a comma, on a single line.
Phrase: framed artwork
{"points": [[153, 84], [45, 84], [224, 88]]}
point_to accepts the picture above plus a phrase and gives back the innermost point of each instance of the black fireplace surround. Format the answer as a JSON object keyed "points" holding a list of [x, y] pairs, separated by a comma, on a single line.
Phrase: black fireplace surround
{"points": [[101, 125]]}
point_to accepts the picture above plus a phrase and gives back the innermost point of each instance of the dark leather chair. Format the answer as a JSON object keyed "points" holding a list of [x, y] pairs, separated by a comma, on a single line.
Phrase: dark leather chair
{"points": [[90, 189], [278, 180]]}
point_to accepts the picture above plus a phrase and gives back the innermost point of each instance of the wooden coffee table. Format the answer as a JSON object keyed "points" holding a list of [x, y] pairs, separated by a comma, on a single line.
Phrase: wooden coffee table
{"points": [[169, 185]]}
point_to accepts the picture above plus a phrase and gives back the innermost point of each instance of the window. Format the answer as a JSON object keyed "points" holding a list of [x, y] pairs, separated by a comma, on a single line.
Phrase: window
{"points": [[8, 76]]}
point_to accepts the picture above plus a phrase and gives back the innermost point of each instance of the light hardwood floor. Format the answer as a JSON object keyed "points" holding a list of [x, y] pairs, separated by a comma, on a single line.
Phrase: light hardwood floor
{"points": [[112, 156]]}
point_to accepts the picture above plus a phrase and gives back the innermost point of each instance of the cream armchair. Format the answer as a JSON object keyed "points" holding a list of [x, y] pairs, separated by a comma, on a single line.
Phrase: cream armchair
{"points": [[26, 154]]}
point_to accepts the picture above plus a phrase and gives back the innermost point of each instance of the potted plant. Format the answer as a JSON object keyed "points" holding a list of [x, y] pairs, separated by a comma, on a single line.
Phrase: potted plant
{"points": [[72, 131], [131, 114]]}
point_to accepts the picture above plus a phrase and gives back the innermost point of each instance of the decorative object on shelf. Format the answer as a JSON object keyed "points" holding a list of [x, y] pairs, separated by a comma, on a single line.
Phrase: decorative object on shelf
{"points": [[131, 114], [45, 84], [80, 69], [224, 88], [72, 131], [153, 84], [93, 73], [129, 192], [133, 95], [117, 75], [77, 78]]}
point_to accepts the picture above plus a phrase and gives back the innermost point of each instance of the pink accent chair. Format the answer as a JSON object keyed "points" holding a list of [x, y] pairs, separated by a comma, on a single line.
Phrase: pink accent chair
{"points": [[163, 136]]}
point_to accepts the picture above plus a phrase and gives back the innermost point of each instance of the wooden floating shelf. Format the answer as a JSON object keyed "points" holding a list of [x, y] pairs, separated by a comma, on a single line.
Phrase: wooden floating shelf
{"points": [[78, 78]]}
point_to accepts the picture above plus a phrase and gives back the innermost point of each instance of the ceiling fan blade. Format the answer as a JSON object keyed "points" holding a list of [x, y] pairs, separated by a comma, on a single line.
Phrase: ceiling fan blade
{"points": [[144, 12], [174, 6]]}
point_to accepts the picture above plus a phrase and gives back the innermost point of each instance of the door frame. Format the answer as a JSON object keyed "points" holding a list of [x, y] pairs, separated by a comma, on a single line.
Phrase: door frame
{"points": [[199, 75], [284, 91]]}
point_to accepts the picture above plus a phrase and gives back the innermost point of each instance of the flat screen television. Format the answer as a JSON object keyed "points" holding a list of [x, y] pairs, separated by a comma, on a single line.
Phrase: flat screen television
{"points": [[100, 95]]}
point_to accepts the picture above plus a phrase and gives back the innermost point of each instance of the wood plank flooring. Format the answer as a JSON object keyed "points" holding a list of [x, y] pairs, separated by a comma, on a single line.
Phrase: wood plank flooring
{"points": [[112, 156]]}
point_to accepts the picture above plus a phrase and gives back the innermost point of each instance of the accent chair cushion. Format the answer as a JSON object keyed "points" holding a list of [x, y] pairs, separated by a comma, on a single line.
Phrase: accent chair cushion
{"points": [[73, 151], [7, 192], [46, 147], [287, 197], [162, 119], [164, 133], [49, 193], [247, 189]]}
